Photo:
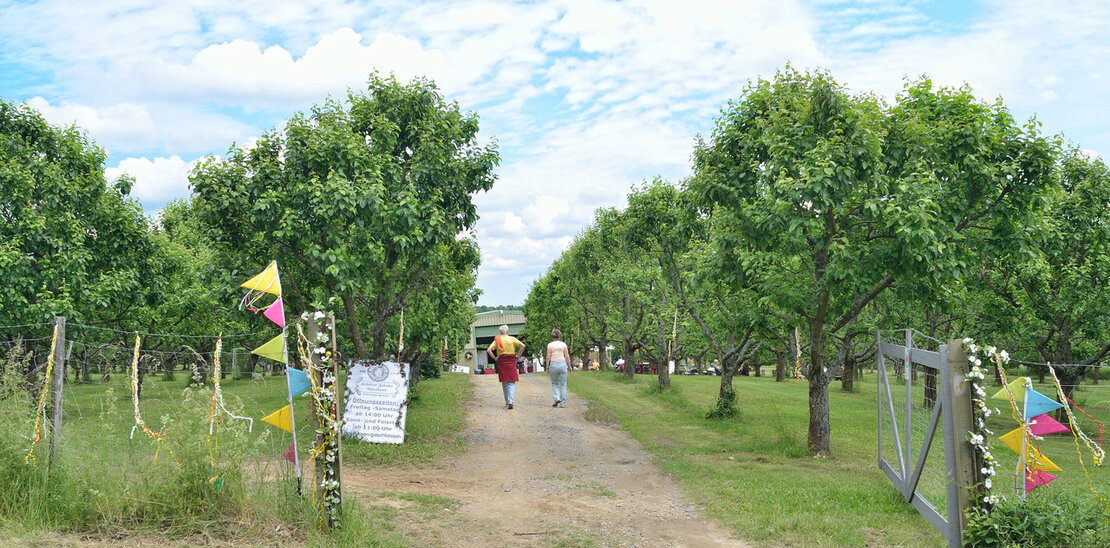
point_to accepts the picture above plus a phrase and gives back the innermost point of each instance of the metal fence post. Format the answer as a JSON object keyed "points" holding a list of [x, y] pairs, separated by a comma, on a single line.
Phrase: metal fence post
{"points": [[59, 383]]}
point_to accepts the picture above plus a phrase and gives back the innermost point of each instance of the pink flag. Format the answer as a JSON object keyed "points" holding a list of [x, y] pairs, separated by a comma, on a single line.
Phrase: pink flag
{"points": [[1044, 424], [276, 313], [288, 454], [1037, 479]]}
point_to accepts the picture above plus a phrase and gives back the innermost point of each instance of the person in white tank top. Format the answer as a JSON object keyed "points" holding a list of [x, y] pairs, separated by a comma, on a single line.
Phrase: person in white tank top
{"points": [[558, 356]]}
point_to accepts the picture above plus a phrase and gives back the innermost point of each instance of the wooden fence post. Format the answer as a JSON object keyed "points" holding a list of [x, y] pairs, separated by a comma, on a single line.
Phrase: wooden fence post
{"points": [[59, 383], [969, 476], [329, 497]]}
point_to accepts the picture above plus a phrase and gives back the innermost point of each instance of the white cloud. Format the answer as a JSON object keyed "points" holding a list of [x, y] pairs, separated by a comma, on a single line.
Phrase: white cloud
{"points": [[156, 180], [585, 97], [124, 124], [242, 72]]}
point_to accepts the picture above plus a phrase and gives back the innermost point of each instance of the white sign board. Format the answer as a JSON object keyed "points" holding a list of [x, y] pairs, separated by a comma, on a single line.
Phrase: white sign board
{"points": [[376, 402], [460, 369]]}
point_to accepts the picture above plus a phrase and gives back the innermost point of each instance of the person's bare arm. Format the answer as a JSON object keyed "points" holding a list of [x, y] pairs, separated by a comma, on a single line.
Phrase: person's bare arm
{"points": [[566, 353], [547, 357]]}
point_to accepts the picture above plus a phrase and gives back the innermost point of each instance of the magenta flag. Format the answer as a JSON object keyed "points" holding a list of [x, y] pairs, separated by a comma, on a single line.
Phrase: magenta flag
{"points": [[1037, 479], [276, 313], [1044, 424]]}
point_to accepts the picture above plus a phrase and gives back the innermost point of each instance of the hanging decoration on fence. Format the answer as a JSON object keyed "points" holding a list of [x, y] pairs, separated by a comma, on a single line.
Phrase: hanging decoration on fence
{"points": [[159, 437], [268, 282], [1033, 466], [1098, 455], [216, 410], [218, 405], [798, 355], [40, 409]]}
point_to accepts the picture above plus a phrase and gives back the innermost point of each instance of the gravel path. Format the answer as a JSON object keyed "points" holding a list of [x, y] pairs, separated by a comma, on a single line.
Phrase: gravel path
{"points": [[541, 476]]}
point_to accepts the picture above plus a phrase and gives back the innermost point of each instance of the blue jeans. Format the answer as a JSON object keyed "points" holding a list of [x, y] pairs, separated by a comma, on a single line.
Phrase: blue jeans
{"points": [[509, 388], [558, 372]]}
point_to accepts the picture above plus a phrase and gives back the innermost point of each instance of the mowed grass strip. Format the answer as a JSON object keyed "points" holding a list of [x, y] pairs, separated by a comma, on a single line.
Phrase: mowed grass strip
{"points": [[753, 474]]}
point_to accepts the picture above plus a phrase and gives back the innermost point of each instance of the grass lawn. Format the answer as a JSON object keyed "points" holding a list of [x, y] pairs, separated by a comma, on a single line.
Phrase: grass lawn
{"points": [[754, 474]]}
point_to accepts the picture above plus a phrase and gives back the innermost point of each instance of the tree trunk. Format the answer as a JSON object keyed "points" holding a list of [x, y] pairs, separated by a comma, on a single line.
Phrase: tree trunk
{"points": [[664, 355], [727, 372], [847, 378], [930, 397], [819, 430], [629, 360], [603, 354], [352, 326], [414, 369], [756, 364], [780, 367], [85, 366]]}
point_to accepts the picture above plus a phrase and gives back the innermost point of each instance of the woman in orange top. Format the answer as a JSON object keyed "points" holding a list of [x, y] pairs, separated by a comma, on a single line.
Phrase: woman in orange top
{"points": [[507, 348]]}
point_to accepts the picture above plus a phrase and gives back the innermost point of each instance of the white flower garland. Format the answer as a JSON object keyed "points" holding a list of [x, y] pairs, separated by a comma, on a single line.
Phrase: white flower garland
{"points": [[982, 411]]}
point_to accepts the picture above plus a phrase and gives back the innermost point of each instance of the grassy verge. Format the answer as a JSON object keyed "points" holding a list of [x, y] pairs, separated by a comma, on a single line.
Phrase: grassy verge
{"points": [[753, 473], [109, 482]]}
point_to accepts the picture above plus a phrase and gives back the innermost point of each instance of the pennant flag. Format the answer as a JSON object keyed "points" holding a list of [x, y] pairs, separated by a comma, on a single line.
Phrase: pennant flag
{"points": [[298, 381], [1044, 424], [1017, 388], [282, 418], [1037, 479], [1033, 456], [266, 281], [289, 454], [1038, 404], [276, 313], [272, 349]]}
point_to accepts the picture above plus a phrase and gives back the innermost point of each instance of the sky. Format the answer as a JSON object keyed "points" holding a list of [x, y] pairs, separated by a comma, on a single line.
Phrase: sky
{"points": [[584, 98]]}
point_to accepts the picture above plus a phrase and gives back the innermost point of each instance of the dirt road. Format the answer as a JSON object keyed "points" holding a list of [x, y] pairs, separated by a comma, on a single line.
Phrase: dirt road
{"points": [[541, 476]]}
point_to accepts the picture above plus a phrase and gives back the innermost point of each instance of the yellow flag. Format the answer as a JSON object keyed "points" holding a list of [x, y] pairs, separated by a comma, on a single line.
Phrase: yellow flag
{"points": [[272, 349], [1033, 456], [1017, 388], [282, 418], [266, 281]]}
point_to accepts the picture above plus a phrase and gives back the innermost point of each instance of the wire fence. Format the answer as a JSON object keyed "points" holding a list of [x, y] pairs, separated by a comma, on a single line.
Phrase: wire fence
{"points": [[101, 410]]}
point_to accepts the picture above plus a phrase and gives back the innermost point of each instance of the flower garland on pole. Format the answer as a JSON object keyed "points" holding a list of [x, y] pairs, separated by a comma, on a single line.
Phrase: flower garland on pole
{"points": [[317, 359], [982, 411], [40, 409]]}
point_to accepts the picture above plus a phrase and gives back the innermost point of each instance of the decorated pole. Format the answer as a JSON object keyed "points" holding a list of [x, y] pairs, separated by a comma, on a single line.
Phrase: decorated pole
{"points": [[317, 358], [288, 383], [277, 349]]}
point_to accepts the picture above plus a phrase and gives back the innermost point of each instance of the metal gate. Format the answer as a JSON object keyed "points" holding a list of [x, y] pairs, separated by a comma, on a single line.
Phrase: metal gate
{"points": [[912, 407]]}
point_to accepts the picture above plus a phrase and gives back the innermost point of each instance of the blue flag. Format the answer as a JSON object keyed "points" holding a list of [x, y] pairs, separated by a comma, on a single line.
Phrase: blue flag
{"points": [[1038, 404], [298, 381]]}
